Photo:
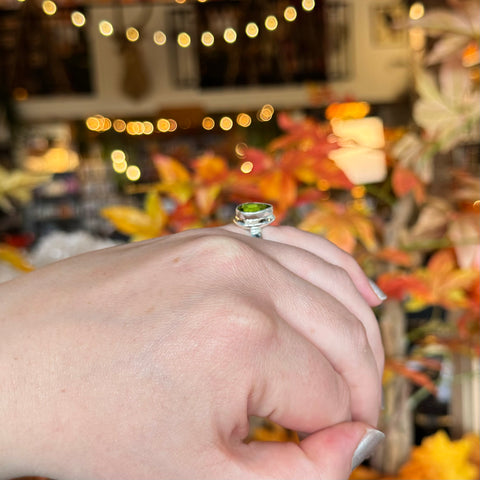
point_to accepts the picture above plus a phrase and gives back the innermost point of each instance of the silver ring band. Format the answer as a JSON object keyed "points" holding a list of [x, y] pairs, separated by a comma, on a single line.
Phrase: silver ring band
{"points": [[253, 216]]}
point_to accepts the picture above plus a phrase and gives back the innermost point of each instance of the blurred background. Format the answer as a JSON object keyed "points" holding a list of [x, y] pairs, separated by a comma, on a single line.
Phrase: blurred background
{"points": [[122, 120]]}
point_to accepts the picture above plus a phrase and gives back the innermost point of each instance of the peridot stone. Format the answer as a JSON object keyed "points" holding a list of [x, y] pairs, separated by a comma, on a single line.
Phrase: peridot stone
{"points": [[253, 207]]}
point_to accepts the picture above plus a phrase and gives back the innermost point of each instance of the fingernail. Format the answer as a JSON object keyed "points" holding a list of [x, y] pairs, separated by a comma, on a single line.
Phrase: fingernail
{"points": [[378, 291], [367, 446]]}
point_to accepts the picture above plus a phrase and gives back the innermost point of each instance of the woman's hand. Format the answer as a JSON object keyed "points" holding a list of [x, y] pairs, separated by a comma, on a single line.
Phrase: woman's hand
{"points": [[146, 360]]}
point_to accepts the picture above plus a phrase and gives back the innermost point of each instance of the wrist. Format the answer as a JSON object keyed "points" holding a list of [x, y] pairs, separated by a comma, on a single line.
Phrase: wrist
{"points": [[21, 383]]}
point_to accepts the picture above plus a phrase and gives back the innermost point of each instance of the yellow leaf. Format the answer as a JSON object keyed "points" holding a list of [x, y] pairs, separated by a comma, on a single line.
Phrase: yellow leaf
{"points": [[15, 258], [440, 458], [18, 185], [340, 225], [132, 221], [181, 191], [154, 209]]}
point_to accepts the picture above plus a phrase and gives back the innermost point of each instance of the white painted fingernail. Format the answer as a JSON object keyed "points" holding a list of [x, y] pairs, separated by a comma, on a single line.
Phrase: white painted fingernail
{"points": [[367, 446], [378, 291]]}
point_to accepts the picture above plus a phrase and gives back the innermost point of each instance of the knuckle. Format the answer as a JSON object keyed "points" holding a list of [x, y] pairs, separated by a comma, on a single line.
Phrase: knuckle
{"points": [[342, 276], [342, 399], [348, 262], [222, 253], [254, 328], [358, 337]]}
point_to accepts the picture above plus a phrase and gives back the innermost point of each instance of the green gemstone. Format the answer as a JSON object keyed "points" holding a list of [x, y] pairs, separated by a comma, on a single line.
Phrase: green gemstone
{"points": [[253, 207]]}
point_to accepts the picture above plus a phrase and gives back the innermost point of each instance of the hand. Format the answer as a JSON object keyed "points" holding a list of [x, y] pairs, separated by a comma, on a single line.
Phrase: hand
{"points": [[145, 360]]}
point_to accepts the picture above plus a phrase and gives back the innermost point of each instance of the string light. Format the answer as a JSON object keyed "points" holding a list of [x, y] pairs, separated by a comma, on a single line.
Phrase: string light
{"points": [[148, 128], [135, 128], [173, 125], [265, 114], [159, 38], [246, 167], [290, 14], [244, 120], [208, 123], [163, 125], [184, 40], [118, 156], [120, 167], [105, 28], [240, 149], [417, 11], [49, 7], [99, 123], [78, 18], [226, 123], [119, 125], [133, 173], [308, 5], [251, 29], [271, 23], [230, 35], [207, 39], [132, 34]]}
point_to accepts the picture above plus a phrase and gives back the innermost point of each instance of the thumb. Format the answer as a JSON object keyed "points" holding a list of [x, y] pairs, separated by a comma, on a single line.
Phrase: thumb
{"points": [[329, 454]]}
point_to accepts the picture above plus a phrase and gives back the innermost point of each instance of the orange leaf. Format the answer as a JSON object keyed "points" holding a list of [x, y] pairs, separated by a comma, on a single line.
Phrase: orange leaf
{"points": [[340, 225], [210, 169], [278, 187], [185, 217], [418, 378], [442, 262], [397, 285], [395, 256], [170, 170], [441, 283], [405, 181]]}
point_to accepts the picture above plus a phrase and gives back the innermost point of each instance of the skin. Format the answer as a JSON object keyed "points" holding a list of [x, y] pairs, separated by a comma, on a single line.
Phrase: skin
{"points": [[145, 360]]}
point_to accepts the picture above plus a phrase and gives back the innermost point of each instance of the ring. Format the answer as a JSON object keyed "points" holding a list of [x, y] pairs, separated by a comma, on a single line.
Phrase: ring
{"points": [[254, 216]]}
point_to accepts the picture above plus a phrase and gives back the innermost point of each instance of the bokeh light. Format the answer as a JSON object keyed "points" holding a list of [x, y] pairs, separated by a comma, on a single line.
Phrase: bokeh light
{"points": [[207, 39], [308, 5], [159, 37], [271, 23], [290, 14], [208, 123], [230, 35], [78, 18], [49, 7], [184, 40], [417, 11], [132, 34], [226, 123], [105, 28], [251, 29], [133, 173]]}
